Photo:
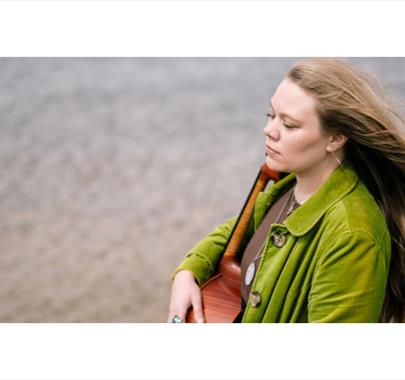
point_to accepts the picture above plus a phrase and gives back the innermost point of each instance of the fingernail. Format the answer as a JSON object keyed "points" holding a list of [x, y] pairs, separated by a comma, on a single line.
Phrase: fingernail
{"points": [[200, 320]]}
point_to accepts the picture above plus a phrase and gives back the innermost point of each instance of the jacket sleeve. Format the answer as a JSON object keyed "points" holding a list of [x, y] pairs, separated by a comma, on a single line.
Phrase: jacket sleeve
{"points": [[350, 279], [203, 258]]}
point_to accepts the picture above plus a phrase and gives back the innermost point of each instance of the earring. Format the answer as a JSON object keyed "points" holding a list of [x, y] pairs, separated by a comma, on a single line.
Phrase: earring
{"points": [[337, 159]]}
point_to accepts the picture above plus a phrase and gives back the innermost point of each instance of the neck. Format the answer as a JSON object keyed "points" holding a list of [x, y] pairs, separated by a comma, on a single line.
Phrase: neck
{"points": [[310, 181]]}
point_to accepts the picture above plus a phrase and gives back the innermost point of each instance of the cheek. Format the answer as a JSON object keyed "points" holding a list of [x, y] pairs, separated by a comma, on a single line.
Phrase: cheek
{"points": [[308, 145]]}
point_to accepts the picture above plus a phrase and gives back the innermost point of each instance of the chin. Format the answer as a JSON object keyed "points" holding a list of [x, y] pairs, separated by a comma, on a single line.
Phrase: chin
{"points": [[276, 166]]}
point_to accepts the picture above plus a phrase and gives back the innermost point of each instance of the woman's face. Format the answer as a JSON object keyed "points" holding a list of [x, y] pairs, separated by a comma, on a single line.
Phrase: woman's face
{"points": [[295, 141]]}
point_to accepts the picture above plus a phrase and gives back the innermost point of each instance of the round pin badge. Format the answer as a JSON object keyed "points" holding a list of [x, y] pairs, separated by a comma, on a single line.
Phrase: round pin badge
{"points": [[250, 274]]}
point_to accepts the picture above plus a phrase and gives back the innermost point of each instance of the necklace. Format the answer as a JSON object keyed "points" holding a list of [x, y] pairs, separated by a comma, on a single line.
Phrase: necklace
{"points": [[251, 270], [293, 204]]}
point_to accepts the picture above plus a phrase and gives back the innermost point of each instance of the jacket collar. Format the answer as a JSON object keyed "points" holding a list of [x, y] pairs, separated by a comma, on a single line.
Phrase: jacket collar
{"points": [[338, 185]]}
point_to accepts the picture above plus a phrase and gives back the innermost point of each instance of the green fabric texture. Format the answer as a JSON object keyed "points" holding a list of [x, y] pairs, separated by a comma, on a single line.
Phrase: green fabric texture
{"points": [[333, 266]]}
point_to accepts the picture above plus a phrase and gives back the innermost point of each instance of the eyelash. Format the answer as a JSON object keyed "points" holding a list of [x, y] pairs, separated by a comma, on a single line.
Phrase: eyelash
{"points": [[288, 126]]}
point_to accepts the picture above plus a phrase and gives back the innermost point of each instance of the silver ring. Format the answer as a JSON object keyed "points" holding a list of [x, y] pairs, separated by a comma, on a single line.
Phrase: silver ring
{"points": [[177, 319]]}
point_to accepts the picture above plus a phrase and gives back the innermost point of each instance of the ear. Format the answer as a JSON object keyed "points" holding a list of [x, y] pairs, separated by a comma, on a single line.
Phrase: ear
{"points": [[335, 143]]}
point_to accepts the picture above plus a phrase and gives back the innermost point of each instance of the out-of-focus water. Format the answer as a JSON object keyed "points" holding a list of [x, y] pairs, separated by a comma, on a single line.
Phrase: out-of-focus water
{"points": [[111, 169]]}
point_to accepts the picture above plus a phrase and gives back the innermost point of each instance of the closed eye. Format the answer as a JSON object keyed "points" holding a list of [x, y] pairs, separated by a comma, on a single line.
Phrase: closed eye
{"points": [[288, 126]]}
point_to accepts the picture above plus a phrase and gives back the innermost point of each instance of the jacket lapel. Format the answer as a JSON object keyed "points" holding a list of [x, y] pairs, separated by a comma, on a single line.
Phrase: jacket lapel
{"points": [[338, 185]]}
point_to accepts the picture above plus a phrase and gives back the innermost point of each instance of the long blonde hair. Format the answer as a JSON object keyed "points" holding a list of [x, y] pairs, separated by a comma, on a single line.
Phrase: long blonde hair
{"points": [[353, 103]]}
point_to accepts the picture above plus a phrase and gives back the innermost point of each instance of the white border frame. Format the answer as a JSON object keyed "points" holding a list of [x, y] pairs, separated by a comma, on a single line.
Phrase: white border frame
{"points": [[201, 29]]}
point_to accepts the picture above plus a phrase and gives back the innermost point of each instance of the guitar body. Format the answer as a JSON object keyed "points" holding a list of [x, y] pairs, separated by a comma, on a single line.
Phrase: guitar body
{"points": [[221, 297]]}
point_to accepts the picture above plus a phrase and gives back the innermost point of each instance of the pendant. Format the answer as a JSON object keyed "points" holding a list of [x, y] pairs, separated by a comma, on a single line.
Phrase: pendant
{"points": [[250, 273]]}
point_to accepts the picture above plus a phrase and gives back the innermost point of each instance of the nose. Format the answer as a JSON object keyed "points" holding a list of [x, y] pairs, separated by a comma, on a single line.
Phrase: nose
{"points": [[271, 130]]}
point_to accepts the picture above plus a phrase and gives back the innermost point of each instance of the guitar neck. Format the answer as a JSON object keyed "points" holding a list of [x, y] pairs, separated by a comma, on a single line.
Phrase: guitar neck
{"points": [[242, 223]]}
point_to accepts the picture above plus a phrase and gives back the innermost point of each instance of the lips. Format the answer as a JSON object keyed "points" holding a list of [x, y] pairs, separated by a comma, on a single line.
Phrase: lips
{"points": [[270, 150]]}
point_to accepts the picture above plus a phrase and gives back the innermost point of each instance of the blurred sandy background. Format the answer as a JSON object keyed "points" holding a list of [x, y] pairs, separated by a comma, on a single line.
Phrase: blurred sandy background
{"points": [[111, 169]]}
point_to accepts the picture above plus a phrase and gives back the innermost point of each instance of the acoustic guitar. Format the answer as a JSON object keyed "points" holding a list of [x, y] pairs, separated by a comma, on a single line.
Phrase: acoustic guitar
{"points": [[221, 298]]}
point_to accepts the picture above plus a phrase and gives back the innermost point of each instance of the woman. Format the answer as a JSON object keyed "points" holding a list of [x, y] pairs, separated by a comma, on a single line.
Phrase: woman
{"points": [[326, 242]]}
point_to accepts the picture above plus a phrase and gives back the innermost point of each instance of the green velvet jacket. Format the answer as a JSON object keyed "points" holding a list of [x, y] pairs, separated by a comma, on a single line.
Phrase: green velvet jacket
{"points": [[331, 265]]}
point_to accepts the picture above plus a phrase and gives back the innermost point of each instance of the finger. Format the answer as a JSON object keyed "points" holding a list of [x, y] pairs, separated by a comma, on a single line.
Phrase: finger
{"points": [[197, 307], [179, 313]]}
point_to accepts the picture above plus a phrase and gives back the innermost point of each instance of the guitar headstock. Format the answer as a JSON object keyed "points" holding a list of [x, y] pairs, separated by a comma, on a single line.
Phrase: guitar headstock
{"points": [[270, 174]]}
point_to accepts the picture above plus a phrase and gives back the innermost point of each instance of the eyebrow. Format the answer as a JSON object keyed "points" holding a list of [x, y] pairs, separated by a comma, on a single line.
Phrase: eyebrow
{"points": [[284, 114]]}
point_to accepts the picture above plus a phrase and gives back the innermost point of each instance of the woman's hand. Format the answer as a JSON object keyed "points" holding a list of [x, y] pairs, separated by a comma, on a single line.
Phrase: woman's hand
{"points": [[185, 293]]}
